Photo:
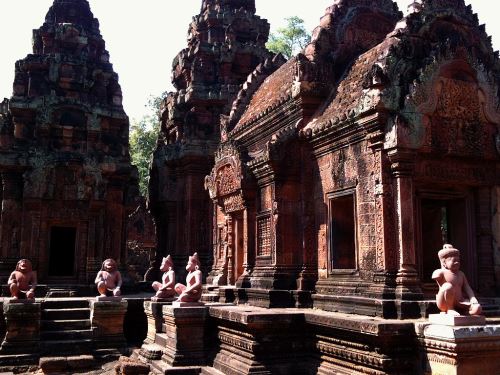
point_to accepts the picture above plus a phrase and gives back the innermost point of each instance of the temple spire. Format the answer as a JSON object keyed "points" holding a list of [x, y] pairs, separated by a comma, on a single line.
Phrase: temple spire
{"points": [[76, 12]]}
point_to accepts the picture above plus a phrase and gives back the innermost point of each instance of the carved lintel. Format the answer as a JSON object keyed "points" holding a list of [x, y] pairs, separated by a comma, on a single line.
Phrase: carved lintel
{"points": [[232, 203]]}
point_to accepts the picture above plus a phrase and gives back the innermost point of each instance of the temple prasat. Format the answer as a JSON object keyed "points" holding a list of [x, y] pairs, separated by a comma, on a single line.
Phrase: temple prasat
{"points": [[334, 213]]}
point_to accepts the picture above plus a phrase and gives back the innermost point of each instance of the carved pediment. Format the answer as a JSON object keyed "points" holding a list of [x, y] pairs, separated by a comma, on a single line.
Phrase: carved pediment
{"points": [[452, 111], [227, 180]]}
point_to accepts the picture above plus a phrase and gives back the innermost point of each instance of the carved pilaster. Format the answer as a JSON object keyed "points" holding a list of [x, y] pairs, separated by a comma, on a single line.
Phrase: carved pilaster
{"points": [[408, 283]]}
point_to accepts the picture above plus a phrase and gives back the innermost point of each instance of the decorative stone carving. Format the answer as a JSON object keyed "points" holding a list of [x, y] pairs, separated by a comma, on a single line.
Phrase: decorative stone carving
{"points": [[165, 289], [22, 282], [69, 144], [455, 296], [109, 279], [226, 180], [191, 292], [226, 42]]}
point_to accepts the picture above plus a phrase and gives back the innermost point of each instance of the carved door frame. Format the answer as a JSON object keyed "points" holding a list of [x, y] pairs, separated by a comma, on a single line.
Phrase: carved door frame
{"points": [[469, 254]]}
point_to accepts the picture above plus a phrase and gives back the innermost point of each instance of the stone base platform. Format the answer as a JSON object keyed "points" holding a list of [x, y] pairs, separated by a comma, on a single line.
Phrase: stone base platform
{"points": [[384, 308], [462, 350], [304, 341], [238, 340]]}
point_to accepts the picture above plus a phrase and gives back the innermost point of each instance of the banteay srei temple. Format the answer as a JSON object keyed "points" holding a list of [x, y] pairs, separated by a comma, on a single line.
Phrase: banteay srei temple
{"points": [[334, 213]]}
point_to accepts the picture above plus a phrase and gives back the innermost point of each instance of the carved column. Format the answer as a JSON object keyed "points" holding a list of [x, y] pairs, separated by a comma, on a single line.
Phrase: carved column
{"points": [[408, 283]]}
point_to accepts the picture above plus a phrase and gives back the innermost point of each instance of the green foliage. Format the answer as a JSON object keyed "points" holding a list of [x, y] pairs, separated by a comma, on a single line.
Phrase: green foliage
{"points": [[143, 136], [290, 39]]}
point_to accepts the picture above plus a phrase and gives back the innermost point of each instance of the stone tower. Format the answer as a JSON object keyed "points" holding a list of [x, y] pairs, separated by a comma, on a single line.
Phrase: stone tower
{"points": [[67, 180], [226, 41]]}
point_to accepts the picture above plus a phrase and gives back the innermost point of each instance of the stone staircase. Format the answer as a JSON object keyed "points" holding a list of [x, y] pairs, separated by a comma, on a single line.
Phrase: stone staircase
{"points": [[65, 327], [61, 291], [210, 294]]}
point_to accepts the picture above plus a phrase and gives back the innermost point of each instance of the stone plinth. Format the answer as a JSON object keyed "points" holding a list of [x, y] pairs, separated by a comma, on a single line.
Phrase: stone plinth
{"points": [[256, 340], [457, 320], [154, 313], [185, 335], [107, 323], [22, 321], [187, 304], [162, 300], [464, 350], [108, 299]]}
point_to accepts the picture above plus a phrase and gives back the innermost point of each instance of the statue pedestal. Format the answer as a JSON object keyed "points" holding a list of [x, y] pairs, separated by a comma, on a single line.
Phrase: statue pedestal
{"points": [[107, 323], [163, 300], [185, 335], [187, 304], [459, 350], [108, 299], [154, 313], [150, 350], [22, 331], [457, 320]]}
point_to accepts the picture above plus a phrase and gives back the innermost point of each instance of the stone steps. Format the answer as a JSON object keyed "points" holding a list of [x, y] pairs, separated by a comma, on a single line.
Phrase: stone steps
{"points": [[161, 339], [65, 303], [65, 314], [16, 360], [61, 325], [66, 347], [210, 371], [65, 327], [210, 294], [210, 297], [73, 334], [163, 368], [58, 365]]}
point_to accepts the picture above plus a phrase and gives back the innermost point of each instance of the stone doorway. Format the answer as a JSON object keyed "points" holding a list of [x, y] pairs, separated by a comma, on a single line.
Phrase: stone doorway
{"points": [[238, 251], [444, 220], [62, 251]]}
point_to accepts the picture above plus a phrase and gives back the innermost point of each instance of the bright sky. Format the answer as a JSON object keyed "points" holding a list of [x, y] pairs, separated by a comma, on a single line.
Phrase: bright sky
{"points": [[143, 37]]}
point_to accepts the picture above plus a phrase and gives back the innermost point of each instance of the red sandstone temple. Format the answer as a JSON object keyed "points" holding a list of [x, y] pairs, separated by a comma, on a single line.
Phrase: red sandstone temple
{"points": [[226, 41], [67, 182], [327, 181], [341, 172]]}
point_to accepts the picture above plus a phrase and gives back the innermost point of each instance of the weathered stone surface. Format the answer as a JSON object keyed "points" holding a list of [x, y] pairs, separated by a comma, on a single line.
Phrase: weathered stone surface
{"points": [[154, 314], [128, 366], [267, 221], [456, 320], [107, 323], [22, 322], [330, 177], [459, 350], [141, 245], [185, 329], [67, 180], [226, 42], [87, 364]]}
